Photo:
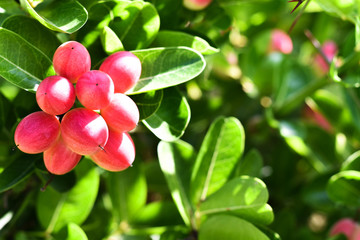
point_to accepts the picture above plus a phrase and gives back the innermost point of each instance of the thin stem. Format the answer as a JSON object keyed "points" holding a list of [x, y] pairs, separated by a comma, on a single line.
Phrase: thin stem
{"points": [[298, 16], [317, 46]]}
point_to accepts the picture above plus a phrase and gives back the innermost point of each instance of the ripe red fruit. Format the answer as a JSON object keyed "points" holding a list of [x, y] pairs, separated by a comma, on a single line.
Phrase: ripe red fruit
{"points": [[71, 59], [118, 153], [94, 89], [55, 95], [196, 5], [59, 159], [280, 42], [84, 131], [124, 68], [344, 226], [122, 114], [37, 132]]}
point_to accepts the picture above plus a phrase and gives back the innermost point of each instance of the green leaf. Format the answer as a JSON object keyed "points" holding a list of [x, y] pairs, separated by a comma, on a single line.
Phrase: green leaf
{"points": [[55, 210], [110, 41], [229, 228], [17, 171], [347, 10], [33, 32], [136, 23], [160, 213], [71, 232], [171, 119], [9, 8], [344, 187], [245, 197], [148, 103], [21, 63], [176, 160], [166, 67], [219, 153], [251, 164], [127, 191], [352, 162], [65, 16], [173, 38]]}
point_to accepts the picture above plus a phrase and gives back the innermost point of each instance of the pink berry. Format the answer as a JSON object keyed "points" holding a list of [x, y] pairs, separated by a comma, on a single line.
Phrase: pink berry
{"points": [[118, 153], [344, 226], [122, 114], [71, 59], [59, 159], [196, 5], [330, 49], [55, 95], [280, 42], [84, 131], [37, 132], [94, 89], [124, 68]]}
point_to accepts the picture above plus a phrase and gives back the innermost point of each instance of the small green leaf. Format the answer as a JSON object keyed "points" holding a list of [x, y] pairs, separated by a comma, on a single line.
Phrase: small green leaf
{"points": [[166, 67], [219, 153], [17, 171], [245, 197], [55, 210], [171, 119], [127, 191], [176, 160], [352, 162], [65, 16], [344, 187], [173, 38], [71, 232], [148, 102], [21, 63], [229, 228], [251, 164], [110, 41], [33, 32]]}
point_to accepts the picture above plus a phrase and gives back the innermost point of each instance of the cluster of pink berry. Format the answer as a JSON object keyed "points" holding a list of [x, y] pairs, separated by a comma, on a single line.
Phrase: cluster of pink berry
{"points": [[64, 134]]}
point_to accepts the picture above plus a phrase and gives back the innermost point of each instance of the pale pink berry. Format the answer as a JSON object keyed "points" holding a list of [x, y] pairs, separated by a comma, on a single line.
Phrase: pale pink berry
{"points": [[196, 5], [280, 42]]}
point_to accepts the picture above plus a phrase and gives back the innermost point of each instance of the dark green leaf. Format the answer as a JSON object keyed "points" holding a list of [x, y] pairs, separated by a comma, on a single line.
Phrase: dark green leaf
{"points": [[173, 38], [219, 153], [148, 103], [176, 160], [66, 16], [344, 187], [21, 63], [171, 119], [166, 67], [55, 210], [229, 228], [245, 197]]}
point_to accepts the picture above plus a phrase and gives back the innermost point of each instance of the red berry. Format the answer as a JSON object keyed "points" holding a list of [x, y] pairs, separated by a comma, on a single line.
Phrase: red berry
{"points": [[118, 153], [59, 159], [344, 226], [55, 95], [94, 89], [196, 5], [71, 59], [37, 132], [84, 131], [124, 68], [280, 42], [122, 114]]}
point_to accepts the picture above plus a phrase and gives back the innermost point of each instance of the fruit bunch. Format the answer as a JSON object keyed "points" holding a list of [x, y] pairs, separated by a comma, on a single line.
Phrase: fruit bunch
{"points": [[99, 128]]}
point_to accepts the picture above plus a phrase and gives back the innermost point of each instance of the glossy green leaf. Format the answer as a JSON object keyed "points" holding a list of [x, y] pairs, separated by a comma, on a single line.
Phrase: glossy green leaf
{"points": [[352, 162], [110, 41], [160, 213], [17, 171], [21, 63], [219, 153], [71, 232], [169, 122], [33, 32], [251, 164], [167, 38], [127, 191], [66, 16], [176, 161], [9, 8], [55, 210], [344, 187], [166, 67], [136, 23], [245, 197], [229, 228], [148, 103]]}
